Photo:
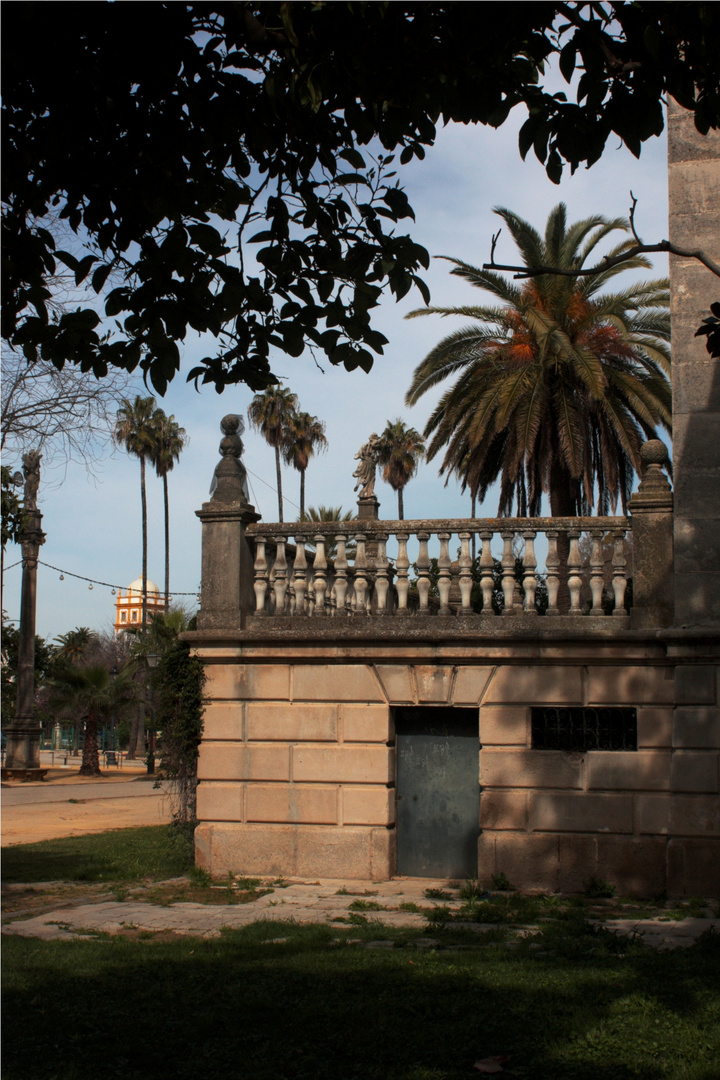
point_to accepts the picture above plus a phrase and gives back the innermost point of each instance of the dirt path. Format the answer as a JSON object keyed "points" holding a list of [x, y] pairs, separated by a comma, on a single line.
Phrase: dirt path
{"points": [[44, 815]]}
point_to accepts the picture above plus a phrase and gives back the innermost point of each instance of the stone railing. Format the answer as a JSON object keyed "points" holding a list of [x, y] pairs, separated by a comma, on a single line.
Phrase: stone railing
{"points": [[508, 566], [521, 567]]}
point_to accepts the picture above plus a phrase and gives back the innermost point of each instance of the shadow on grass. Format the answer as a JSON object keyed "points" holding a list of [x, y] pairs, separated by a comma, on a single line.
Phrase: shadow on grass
{"points": [[156, 852], [313, 1007]]}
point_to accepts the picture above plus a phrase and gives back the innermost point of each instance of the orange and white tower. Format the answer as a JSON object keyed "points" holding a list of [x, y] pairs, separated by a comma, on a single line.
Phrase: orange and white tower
{"points": [[128, 606]]}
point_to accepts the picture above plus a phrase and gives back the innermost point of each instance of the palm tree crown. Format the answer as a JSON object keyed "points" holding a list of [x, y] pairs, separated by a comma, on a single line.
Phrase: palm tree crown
{"points": [[400, 451], [557, 387], [270, 413], [305, 434]]}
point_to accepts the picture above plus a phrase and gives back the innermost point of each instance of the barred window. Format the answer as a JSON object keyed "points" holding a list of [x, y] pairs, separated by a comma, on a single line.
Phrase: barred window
{"points": [[583, 729]]}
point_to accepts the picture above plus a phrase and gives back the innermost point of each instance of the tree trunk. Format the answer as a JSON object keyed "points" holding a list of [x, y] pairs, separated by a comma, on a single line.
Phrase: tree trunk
{"points": [[90, 759], [133, 737], [167, 543], [401, 507], [302, 494], [563, 503], [143, 500], [279, 484]]}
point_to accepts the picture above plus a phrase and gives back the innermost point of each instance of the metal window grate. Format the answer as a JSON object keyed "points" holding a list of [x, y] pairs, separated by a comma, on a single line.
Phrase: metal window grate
{"points": [[584, 728]]}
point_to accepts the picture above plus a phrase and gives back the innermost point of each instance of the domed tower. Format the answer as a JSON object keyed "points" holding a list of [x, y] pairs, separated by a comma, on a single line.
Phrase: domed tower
{"points": [[128, 606]]}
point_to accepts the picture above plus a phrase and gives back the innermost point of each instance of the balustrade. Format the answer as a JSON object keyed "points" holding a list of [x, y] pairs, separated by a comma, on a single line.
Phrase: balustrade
{"points": [[525, 567]]}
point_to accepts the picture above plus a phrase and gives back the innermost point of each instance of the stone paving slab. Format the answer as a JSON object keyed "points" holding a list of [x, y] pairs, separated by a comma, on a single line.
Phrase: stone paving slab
{"points": [[662, 933], [324, 901]]}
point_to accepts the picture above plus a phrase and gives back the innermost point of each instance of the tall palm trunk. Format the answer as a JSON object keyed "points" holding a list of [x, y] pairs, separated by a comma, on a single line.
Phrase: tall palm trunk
{"points": [[90, 758], [563, 503], [279, 483], [143, 499], [302, 495], [401, 505], [167, 544]]}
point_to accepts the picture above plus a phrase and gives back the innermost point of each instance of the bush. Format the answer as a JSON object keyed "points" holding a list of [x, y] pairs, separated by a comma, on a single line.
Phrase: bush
{"points": [[179, 684]]}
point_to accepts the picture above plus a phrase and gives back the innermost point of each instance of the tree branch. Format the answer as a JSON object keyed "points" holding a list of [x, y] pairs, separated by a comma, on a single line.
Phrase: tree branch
{"points": [[607, 263]]}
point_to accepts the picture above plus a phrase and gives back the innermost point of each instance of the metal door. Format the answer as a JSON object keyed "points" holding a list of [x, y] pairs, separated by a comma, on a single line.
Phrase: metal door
{"points": [[438, 792]]}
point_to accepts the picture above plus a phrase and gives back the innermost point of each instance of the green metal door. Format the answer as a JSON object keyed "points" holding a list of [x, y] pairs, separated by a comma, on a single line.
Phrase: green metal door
{"points": [[438, 792]]}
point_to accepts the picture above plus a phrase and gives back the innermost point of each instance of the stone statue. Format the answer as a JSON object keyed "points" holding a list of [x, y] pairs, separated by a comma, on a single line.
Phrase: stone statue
{"points": [[230, 467], [31, 469], [365, 472]]}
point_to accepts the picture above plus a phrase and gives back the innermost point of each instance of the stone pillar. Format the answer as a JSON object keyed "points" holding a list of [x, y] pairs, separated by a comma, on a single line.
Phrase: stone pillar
{"points": [[651, 509], [694, 193], [227, 595], [22, 761]]}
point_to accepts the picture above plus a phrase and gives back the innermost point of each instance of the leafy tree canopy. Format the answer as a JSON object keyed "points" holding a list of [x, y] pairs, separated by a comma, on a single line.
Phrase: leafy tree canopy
{"points": [[227, 167]]}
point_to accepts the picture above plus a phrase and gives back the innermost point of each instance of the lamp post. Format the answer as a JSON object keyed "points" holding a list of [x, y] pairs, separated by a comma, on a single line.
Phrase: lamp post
{"points": [[22, 761], [153, 659]]}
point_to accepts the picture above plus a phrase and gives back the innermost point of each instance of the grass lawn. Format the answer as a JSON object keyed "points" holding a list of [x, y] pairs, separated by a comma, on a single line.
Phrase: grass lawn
{"points": [[156, 852], [278, 1000]]}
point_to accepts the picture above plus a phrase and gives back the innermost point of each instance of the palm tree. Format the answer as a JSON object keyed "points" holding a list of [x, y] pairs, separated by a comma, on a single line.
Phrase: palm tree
{"points": [[305, 435], [270, 413], [136, 429], [90, 693], [557, 387], [72, 645], [171, 441], [400, 451]]}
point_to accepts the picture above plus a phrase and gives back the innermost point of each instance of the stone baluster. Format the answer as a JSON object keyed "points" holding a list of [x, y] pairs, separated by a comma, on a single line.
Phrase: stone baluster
{"points": [[529, 578], [423, 565], [444, 572], [382, 581], [361, 575], [574, 579], [403, 564], [300, 576], [597, 580], [320, 574], [619, 578], [261, 575], [280, 575], [487, 583], [552, 563], [465, 563], [341, 572], [508, 571]]}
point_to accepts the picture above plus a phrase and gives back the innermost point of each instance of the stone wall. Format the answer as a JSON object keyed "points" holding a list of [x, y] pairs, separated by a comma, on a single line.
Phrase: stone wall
{"points": [[297, 765], [694, 195]]}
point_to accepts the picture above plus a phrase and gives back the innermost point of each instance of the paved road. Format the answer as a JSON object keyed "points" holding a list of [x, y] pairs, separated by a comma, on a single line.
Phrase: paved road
{"points": [[130, 788]]}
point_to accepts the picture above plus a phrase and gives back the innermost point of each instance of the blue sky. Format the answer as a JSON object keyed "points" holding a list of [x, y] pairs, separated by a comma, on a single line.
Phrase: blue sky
{"points": [[93, 525]]}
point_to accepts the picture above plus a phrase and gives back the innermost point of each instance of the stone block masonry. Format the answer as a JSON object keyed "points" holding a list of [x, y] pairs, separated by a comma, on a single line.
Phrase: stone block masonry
{"points": [[288, 783]]}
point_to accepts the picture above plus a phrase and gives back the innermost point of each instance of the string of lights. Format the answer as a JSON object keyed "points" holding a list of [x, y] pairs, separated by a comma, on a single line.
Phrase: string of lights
{"points": [[92, 581], [110, 585]]}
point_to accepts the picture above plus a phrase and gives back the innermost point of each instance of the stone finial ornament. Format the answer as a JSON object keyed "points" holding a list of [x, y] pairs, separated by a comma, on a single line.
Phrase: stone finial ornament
{"points": [[365, 472], [229, 482], [654, 454], [31, 469]]}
